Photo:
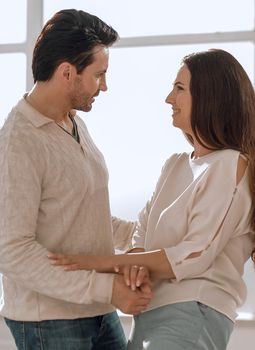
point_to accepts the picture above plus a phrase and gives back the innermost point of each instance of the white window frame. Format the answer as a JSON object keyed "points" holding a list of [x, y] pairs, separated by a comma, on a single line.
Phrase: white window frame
{"points": [[35, 23], [33, 27]]}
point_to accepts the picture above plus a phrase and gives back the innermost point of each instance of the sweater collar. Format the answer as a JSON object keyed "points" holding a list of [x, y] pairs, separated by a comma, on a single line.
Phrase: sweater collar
{"points": [[30, 113]]}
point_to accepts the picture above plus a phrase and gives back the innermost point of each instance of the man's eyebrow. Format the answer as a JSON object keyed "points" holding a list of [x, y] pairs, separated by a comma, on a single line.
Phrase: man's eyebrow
{"points": [[102, 70]]}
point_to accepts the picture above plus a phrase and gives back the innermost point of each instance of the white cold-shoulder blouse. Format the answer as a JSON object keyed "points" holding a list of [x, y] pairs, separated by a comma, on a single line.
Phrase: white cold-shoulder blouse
{"points": [[201, 217]]}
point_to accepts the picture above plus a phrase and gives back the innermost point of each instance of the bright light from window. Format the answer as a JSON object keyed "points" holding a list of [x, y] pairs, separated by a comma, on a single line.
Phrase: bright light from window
{"points": [[143, 17], [13, 21], [13, 74]]}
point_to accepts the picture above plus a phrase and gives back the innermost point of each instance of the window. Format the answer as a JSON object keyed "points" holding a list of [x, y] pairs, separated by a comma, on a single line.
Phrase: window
{"points": [[150, 18], [130, 123], [13, 22], [14, 77]]}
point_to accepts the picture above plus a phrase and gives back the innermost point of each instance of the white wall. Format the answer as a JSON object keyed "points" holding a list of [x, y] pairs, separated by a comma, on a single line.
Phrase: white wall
{"points": [[243, 336], [6, 342]]}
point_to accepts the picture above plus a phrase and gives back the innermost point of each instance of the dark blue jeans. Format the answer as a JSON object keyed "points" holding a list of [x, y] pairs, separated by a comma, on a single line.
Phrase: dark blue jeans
{"points": [[91, 333]]}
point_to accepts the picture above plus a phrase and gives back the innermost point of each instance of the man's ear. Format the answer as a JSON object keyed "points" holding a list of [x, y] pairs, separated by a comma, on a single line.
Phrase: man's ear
{"points": [[66, 71]]}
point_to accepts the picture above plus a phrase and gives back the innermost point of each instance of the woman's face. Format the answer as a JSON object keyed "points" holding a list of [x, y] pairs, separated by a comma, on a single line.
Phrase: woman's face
{"points": [[181, 101]]}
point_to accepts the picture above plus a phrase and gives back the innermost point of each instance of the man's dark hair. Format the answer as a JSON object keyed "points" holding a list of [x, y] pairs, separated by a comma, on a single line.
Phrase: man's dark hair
{"points": [[69, 36]]}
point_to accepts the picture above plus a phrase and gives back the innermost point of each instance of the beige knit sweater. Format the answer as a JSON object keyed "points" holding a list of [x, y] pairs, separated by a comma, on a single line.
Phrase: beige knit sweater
{"points": [[54, 197]]}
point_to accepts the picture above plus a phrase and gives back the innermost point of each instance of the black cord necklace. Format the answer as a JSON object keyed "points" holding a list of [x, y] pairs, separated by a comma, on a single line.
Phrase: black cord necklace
{"points": [[74, 133]]}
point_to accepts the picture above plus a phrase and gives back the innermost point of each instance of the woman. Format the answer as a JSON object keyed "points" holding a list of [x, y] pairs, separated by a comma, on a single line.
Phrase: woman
{"points": [[195, 234]]}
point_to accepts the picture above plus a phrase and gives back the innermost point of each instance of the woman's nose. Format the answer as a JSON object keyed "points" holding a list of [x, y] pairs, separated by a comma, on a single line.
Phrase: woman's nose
{"points": [[169, 99]]}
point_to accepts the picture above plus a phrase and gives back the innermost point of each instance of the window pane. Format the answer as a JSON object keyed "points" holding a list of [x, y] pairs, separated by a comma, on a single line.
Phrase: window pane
{"points": [[13, 18], [14, 78], [138, 18]]}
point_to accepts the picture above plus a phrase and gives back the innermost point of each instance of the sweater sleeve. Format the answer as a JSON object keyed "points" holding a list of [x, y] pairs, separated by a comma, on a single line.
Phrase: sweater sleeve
{"points": [[122, 233], [219, 210], [23, 259]]}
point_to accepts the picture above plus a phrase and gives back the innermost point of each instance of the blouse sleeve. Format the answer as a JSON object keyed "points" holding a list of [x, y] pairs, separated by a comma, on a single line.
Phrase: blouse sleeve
{"points": [[138, 240], [218, 211]]}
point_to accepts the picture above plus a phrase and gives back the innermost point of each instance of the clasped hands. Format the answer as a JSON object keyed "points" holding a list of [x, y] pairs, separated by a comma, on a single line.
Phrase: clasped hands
{"points": [[132, 286]]}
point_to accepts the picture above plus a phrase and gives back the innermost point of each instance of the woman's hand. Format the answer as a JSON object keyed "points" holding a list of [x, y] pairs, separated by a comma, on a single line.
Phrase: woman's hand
{"points": [[135, 277]]}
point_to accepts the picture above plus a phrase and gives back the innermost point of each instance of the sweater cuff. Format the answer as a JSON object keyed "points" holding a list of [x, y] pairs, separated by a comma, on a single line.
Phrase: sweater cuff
{"points": [[101, 287]]}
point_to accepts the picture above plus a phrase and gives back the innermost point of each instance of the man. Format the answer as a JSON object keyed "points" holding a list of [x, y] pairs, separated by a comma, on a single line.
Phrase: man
{"points": [[54, 198]]}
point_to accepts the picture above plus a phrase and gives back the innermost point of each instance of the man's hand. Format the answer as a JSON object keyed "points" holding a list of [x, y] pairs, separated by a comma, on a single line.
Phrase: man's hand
{"points": [[128, 301]]}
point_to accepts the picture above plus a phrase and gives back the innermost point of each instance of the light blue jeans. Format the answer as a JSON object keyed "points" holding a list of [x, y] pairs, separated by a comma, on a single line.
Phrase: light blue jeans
{"points": [[91, 333], [181, 326]]}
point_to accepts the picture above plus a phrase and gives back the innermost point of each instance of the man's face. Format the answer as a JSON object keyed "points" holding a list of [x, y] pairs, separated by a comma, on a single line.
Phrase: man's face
{"points": [[92, 80]]}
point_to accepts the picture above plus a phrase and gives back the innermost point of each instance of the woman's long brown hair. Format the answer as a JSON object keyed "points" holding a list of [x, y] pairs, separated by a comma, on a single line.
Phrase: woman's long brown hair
{"points": [[223, 106]]}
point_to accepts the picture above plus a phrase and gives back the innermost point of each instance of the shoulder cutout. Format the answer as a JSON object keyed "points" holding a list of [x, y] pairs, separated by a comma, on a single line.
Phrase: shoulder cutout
{"points": [[241, 167]]}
